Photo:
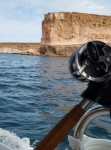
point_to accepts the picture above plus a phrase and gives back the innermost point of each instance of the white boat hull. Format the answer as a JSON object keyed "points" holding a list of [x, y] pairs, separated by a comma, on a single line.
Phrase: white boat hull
{"points": [[88, 143], [4, 147]]}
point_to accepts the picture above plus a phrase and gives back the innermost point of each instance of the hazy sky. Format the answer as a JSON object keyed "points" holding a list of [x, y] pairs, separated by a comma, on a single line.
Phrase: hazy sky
{"points": [[20, 20]]}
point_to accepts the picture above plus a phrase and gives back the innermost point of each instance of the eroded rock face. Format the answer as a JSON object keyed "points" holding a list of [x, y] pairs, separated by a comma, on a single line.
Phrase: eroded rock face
{"points": [[63, 28], [20, 48], [58, 50]]}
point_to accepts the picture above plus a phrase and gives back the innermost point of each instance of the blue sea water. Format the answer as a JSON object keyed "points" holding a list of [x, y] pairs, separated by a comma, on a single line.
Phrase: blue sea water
{"points": [[35, 93]]}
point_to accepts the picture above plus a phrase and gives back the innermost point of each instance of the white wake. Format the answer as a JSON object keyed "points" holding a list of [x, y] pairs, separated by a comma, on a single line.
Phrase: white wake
{"points": [[14, 142]]}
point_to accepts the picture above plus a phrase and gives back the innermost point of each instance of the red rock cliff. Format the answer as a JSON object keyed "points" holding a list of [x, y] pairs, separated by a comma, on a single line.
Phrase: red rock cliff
{"points": [[64, 28]]}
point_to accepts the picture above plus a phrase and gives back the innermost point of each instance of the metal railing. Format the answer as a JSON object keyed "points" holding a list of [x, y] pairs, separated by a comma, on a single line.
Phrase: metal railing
{"points": [[87, 117]]}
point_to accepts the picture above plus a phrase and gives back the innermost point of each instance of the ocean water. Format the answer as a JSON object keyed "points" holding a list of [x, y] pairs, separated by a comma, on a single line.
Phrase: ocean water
{"points": [[35, 93]]}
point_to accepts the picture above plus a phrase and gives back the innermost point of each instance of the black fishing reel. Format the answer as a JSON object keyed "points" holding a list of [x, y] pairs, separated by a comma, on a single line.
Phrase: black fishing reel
{"points": [[91, 62]]}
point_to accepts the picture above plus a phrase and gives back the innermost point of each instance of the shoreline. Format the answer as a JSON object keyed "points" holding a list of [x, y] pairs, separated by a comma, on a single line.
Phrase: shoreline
{"points": [[20, 48], [37, 49]]}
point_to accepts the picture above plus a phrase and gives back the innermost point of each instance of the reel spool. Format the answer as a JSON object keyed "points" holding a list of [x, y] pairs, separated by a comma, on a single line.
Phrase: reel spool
{"points": [[91, 62]]}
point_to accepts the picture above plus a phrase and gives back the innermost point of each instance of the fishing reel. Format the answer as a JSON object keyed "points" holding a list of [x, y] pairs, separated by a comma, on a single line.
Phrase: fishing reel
{"points": [[91, 62]]}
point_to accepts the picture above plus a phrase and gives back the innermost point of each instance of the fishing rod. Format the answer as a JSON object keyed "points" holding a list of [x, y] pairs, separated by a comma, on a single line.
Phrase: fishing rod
{"points": [[90, 63]]}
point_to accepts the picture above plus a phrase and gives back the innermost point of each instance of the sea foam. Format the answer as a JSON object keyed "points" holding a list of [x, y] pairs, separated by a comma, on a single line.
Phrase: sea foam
{"points": [[14, 142]]}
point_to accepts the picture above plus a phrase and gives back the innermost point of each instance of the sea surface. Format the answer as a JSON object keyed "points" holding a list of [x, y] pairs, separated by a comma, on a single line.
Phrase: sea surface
{"points": [[35, 93]]}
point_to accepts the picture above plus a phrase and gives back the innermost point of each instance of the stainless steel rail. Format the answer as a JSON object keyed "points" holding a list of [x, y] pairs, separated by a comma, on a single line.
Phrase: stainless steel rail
{"points": [[87, 117]]}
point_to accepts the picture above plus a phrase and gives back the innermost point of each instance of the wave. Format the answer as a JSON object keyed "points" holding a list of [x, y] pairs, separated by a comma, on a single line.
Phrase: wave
{"points": [[14, 142]]}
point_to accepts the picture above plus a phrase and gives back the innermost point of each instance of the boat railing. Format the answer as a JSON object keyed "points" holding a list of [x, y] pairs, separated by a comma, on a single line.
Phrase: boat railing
{"points": [[80, 141], [87, 117]]}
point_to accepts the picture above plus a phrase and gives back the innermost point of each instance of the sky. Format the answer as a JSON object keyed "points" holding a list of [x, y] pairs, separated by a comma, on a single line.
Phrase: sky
{"points": [[21, 20]]}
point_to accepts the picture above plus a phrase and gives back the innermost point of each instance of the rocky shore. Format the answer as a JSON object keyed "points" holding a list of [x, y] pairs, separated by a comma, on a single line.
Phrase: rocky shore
{"points": [[58, 50], [20, 48], [38, 49]]}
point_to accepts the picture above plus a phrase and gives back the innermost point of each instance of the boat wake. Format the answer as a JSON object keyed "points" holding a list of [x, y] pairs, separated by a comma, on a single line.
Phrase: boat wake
{"points": [[14, 142]]}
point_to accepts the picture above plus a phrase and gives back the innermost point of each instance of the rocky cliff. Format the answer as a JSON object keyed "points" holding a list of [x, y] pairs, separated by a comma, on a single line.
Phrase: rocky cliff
{"points": [[64, 32], [21, 48], [64, 28]]}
